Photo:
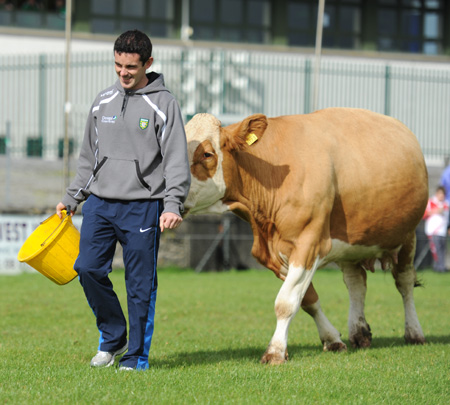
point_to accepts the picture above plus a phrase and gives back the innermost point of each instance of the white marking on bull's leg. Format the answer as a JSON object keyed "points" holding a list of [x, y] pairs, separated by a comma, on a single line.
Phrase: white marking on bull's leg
{"points": [[329, 335], [287, 305], [358, 328], [404, 282]]}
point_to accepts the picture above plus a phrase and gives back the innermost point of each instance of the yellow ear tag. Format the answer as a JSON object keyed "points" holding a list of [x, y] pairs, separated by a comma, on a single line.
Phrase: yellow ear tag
{"points": [[251, 139]]}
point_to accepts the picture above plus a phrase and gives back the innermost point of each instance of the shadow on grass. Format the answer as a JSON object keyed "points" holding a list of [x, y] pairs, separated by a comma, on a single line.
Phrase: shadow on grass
{"points": [[202, 357], [254, 354], [384, 342]]}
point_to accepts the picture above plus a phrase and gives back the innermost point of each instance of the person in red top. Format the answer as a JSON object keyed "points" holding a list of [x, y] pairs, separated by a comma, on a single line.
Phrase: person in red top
{"points": [[436, 224]]}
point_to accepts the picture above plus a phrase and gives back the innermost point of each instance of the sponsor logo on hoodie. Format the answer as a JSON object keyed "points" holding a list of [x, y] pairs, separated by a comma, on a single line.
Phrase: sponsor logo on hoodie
{"points": [[109, 120]]}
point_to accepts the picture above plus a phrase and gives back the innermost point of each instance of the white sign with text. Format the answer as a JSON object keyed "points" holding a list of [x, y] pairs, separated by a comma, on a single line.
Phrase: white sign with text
{"points": [[14, 231]]}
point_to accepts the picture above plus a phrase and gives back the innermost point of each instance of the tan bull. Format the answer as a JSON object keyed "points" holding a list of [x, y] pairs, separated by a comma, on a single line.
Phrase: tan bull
{"points": [[339, 185]]}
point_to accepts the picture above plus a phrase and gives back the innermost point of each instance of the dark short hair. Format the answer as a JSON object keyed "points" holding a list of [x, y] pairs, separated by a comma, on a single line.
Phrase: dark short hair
{"points": [[134, 41]]}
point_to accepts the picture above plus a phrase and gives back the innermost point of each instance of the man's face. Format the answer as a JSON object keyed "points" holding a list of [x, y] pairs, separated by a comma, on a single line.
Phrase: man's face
{"points": [[130, 70]]}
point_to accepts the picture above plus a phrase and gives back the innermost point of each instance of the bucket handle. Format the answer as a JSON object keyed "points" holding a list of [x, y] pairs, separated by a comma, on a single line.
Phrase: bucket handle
{"points": [[62, 220]]}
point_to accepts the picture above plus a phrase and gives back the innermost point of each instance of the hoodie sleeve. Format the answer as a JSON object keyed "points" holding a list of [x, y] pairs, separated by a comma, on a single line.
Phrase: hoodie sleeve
{"points": [[175, 161], [77, 192]]}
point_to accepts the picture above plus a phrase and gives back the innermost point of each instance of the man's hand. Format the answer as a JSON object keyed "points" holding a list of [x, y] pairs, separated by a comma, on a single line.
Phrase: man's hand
{"points": [[169, 220], [61, 207]]}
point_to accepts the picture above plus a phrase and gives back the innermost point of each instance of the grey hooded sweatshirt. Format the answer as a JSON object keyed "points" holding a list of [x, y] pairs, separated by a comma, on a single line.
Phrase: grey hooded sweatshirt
{"points": [[134, 148]]}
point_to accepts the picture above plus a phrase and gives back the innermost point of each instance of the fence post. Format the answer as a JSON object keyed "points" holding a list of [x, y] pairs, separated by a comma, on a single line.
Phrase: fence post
{"points": [[387, 90], [307, 90], [42, 99], [222, 79], [226, 242], [8, 164]]}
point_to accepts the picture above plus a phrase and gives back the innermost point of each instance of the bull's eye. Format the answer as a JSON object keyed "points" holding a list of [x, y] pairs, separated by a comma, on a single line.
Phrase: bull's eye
{"points": [[204, 161]]}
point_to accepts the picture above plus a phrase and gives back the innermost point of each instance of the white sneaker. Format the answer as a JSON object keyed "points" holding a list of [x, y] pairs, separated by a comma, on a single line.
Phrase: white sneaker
{"points": [[125, 368], [106, 359]]}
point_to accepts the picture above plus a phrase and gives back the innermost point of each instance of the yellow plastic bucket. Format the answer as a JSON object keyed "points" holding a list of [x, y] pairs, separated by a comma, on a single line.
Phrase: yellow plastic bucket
{"points": [[52, 249]]}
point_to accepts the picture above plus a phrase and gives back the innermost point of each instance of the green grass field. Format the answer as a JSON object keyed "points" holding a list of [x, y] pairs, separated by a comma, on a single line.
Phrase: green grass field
{"points": [[211, 330]]}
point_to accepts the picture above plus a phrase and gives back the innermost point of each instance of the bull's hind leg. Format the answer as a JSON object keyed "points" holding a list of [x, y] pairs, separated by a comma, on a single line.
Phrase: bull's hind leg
{"points": [[405, 280], [358, 329], [329, 335]]}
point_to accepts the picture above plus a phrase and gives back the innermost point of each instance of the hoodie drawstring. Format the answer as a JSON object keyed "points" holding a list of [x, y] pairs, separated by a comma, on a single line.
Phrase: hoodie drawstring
{"points": [[124, 104]]}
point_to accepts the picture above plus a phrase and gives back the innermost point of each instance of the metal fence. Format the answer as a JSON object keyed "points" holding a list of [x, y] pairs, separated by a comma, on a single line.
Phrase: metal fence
{"points": [[228, 83]]}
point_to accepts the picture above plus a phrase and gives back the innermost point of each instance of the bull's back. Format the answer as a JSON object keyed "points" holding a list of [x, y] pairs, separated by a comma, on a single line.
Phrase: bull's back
{"points": [[371, 163]]}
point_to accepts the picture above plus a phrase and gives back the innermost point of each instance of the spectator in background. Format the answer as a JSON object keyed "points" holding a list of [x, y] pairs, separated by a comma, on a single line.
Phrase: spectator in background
{"points": [[6, 5], [436, 224], [445, 178], [31, 5], [60, 7]]}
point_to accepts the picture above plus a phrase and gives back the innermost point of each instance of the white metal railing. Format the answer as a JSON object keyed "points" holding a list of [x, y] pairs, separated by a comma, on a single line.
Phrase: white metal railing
{"points": [[227, 83]]}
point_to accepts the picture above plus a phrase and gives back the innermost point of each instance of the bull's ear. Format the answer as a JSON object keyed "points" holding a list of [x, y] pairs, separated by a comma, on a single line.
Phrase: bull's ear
{"points": [[244, 134]]}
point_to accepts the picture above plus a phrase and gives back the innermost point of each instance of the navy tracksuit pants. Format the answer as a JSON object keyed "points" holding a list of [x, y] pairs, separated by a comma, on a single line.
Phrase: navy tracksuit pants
{"points": [[135, 224]]}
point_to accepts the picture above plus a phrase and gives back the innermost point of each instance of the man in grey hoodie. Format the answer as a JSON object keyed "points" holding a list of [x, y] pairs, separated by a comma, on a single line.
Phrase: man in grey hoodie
{"points": [[133, 172]]}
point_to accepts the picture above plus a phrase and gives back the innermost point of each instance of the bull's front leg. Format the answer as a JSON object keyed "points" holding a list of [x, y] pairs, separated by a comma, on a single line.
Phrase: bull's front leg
{"points": [[287, 305]]}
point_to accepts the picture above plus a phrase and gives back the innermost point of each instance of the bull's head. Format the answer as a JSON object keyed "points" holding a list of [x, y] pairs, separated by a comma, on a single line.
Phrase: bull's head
{"points": [[208, 144]]}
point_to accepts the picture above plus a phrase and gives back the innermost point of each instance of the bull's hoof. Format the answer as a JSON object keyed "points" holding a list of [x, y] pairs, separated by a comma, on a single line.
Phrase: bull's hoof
{"points": [[361, 343], [362, 339], [334, 347], [274, 358], [415, 340]]}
